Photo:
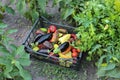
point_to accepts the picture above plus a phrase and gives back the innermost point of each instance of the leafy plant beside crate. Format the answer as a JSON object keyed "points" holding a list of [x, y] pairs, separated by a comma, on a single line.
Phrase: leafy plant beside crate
{"points": [[98, 29], [12, 58], [99, 32]]}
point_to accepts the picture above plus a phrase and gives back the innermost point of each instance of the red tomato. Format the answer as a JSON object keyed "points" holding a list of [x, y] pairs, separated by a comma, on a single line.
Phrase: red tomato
{"points": [[74, 54], [74, 50], [52, 28]]}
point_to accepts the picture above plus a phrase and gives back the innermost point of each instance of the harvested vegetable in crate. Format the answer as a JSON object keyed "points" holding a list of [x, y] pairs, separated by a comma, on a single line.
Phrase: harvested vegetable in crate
{"points": [[54, 43]]}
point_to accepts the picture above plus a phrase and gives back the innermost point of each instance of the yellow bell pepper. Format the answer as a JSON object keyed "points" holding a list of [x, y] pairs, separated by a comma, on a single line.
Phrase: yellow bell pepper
{"points": [[67, 56], [64, 38]]}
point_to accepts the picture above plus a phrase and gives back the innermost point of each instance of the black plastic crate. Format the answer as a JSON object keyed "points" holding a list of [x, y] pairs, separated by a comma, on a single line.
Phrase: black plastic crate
{"points": [[43, 22]]}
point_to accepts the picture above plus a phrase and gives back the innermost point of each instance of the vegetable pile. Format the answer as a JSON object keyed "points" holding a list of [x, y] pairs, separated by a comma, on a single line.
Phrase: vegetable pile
{"points": [[57, 44]]}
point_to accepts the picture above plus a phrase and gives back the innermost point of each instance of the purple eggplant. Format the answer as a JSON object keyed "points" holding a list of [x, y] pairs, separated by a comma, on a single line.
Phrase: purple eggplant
{"points": [[44, 38]]}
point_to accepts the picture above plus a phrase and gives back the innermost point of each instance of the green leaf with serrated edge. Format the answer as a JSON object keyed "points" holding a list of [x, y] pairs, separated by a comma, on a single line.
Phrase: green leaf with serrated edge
{"points": [[15, 72], [24, 60], [2, 61], [22, 56], [25, 75], [8, 65], [4, 52], [20, 50], [8, 69]]}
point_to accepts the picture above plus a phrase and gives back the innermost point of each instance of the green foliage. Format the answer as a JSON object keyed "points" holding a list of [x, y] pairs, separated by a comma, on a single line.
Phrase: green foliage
{"points": [[42, 4], [100, 36], [32, 13], [21, 6], [12, 58], [6, 8], [9, 10], [31, 9], [69, 8]]}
